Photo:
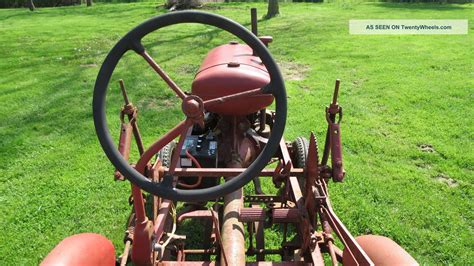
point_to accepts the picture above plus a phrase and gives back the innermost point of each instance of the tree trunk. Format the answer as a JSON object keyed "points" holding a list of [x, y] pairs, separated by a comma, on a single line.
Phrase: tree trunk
{"points": [[89, 2], [31, 5], [273, 9], [173, 5]]}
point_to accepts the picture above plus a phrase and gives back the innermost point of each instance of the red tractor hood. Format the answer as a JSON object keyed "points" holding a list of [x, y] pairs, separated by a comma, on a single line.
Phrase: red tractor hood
{"points": [[229, 69]]}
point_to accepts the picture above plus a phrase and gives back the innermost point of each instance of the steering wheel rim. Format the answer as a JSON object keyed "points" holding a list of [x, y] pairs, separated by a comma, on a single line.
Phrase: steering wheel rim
{"points": [[132, 41]]}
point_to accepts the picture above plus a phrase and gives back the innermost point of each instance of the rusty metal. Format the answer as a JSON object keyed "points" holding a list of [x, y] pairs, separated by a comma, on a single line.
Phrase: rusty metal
{"points": [[281, 173], [186, 263], [219, 238], [255, 214], [283, 215], [200, 251], [125, 140], [302, 214], [330, 116], [227, 172], [254, 24], [312, 174], [333, 137], [131, 111], [227, 106], [128, 239], [357, 254], [124, 92], [126, 128], [336, 152], [126, 250], [263, 198], [203, 214], [163, 75], [258, 228], [233, 241], [223, 99]]}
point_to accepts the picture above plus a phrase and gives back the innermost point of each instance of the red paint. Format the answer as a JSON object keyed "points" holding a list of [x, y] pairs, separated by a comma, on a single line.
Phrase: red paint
{"points": [[230, 69], [338, 172], [82, 249], [142, 249], [382, 251]]}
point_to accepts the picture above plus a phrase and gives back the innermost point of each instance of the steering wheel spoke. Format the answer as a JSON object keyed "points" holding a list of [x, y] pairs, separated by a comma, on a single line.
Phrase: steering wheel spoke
{"points": [[234, 96], [163, 74]]}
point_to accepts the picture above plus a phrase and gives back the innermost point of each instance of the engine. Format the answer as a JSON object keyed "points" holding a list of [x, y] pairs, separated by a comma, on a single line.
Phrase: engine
{"points": [[229, 136]]}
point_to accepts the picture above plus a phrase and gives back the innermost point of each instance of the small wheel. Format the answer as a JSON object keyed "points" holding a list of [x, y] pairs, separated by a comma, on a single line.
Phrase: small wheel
{"points": [[165, 155], [152, 202], [300, 154], [300, 151]]}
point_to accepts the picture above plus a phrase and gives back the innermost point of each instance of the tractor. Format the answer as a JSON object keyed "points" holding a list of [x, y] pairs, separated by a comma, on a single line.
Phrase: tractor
{"points": [[195, 173]]}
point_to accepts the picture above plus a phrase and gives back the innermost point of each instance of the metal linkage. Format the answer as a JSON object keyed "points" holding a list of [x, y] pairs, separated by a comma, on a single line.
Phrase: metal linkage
{"points": [[333, 137], [126, 129]]}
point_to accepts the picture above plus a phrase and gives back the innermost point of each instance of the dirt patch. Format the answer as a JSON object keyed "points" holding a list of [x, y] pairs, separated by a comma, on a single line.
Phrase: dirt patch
{"points": [[430, 149], [294, 71], [450, 182], [427, 148], [89, 65], [188, 69]]}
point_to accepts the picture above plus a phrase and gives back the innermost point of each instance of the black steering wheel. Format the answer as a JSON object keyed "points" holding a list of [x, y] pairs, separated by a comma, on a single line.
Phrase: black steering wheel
{"points": [[192, 106]]}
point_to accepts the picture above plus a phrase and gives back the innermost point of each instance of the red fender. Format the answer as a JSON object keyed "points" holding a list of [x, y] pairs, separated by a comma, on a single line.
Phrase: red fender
{"points": [[82, 249], [382, 251]]}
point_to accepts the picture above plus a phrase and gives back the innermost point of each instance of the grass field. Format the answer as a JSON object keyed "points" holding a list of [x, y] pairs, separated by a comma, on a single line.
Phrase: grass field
{"points": [[407, 129]]}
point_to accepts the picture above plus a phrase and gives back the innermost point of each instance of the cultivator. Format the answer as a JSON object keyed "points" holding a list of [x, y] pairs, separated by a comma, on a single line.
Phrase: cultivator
{"points": [[227, 139]]}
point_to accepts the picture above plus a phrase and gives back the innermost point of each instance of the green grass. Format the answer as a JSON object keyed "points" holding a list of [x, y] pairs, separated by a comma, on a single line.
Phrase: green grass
{"points": [[398, 93]]}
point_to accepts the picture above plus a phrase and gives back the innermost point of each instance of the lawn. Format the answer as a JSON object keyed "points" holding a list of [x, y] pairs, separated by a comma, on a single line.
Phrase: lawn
{"points": [[407, 128]]}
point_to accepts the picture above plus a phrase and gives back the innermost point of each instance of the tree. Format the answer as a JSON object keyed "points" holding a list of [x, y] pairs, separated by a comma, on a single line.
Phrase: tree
{"points": [[89, 2], [31, 5], [273, 9], [182, 4]]}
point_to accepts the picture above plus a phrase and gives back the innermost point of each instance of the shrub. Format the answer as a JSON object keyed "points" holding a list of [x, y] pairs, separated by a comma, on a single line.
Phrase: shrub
{"points": [[38, 3]]}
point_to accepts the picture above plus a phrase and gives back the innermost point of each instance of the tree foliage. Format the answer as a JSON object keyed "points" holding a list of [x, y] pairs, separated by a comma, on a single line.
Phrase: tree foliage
{"points": [[34, 4]]}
